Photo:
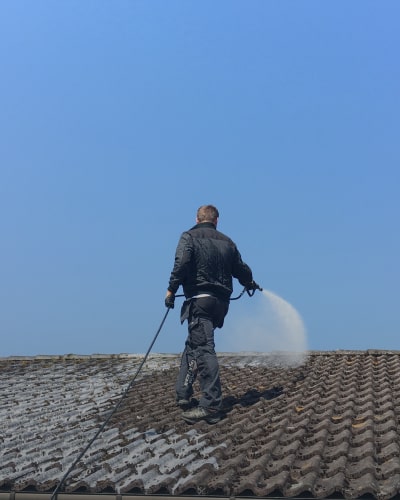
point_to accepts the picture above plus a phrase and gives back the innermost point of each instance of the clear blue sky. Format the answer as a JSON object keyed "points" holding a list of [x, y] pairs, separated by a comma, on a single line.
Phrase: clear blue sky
{"points": [[119, 118]]}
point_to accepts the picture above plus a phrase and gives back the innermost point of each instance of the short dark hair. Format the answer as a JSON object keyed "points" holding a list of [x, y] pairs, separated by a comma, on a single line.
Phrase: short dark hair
{"points": [[207, 213]]}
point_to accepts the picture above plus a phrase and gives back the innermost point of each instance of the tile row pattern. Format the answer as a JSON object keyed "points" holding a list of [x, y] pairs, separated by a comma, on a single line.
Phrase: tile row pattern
{"points": [[327, 427]]}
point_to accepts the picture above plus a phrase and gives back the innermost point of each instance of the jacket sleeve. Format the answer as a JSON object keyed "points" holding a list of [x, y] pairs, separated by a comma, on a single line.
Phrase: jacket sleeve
{"points": [[183, 257], [240, 270]]}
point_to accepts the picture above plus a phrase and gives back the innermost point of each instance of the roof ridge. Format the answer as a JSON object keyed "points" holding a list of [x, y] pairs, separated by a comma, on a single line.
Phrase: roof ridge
{"points": [[344, 352], [59, 357]]}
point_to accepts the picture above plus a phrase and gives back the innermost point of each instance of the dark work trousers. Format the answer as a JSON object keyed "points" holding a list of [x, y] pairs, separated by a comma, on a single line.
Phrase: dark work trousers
{"points": [[204, 314]]}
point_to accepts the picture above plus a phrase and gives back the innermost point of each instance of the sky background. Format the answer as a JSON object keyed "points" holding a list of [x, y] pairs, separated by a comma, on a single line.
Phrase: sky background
{"points": [[120, 118]]}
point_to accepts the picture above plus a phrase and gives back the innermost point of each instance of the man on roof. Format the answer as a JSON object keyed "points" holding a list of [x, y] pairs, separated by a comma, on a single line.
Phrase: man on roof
{"points": [[206, 260]]}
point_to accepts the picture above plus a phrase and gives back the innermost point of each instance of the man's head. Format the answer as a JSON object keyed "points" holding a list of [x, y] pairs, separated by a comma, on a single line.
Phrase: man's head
{"points": [[207, 213]]}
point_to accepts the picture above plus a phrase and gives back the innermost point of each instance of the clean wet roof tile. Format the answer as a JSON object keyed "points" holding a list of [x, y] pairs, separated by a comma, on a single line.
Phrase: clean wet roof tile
{"points": [[327, 427]]}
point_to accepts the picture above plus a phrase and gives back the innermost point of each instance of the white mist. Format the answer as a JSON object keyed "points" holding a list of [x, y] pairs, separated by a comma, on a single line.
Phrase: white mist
{"points": [[268, 324]]}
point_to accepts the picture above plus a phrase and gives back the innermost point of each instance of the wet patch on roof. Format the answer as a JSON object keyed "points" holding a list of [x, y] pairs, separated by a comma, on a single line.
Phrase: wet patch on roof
{"points": [[327, 427]]}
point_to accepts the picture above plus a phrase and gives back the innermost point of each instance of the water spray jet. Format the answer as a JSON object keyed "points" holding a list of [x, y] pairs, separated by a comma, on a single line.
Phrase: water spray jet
{"points": [[271, 326]]}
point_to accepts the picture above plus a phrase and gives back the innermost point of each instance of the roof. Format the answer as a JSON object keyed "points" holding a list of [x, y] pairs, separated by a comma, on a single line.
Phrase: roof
{"points": [[327, 427]]}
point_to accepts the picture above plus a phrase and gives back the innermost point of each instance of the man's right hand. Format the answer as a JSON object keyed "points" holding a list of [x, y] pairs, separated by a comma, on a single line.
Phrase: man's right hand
{"points": [[170, 300], [253, 286]]}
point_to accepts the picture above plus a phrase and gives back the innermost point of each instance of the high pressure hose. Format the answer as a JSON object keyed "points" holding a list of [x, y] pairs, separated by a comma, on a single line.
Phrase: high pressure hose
{"points": [[116, 407], [250, 292]]}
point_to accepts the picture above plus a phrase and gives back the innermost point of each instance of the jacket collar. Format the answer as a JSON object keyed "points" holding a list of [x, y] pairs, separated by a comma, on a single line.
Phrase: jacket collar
{"points": [[204, 224]]}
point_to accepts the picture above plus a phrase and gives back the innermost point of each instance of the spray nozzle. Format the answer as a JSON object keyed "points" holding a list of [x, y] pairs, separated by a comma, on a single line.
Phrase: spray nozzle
{"points": [[252, 287]]}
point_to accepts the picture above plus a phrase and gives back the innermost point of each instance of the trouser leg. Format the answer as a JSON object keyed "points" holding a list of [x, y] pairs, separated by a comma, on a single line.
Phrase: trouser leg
{"points": [[187, 374], [208, 368], [202, 347], [199, 357]]}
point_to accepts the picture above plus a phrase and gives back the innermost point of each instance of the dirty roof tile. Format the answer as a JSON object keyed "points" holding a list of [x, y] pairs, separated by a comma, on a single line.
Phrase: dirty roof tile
{"points": [[327, 427]]}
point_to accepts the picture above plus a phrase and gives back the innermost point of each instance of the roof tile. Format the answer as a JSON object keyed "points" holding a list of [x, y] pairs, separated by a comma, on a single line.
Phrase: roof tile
{"points": [[329, 426]]}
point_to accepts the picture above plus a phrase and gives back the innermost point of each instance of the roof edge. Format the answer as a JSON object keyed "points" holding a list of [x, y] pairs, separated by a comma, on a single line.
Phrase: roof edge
{"points": [[25, 495]]}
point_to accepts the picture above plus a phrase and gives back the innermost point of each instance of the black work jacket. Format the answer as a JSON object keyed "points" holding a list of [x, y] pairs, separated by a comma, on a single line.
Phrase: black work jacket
{"points": [[205, 262]]}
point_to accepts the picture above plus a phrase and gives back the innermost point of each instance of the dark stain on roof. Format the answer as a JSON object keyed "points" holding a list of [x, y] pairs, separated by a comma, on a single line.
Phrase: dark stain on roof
{"points": [[326, 428]]}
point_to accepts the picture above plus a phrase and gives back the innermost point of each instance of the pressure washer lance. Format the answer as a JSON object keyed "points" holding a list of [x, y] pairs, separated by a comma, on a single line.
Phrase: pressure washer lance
{"points": [[250, 292]]}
